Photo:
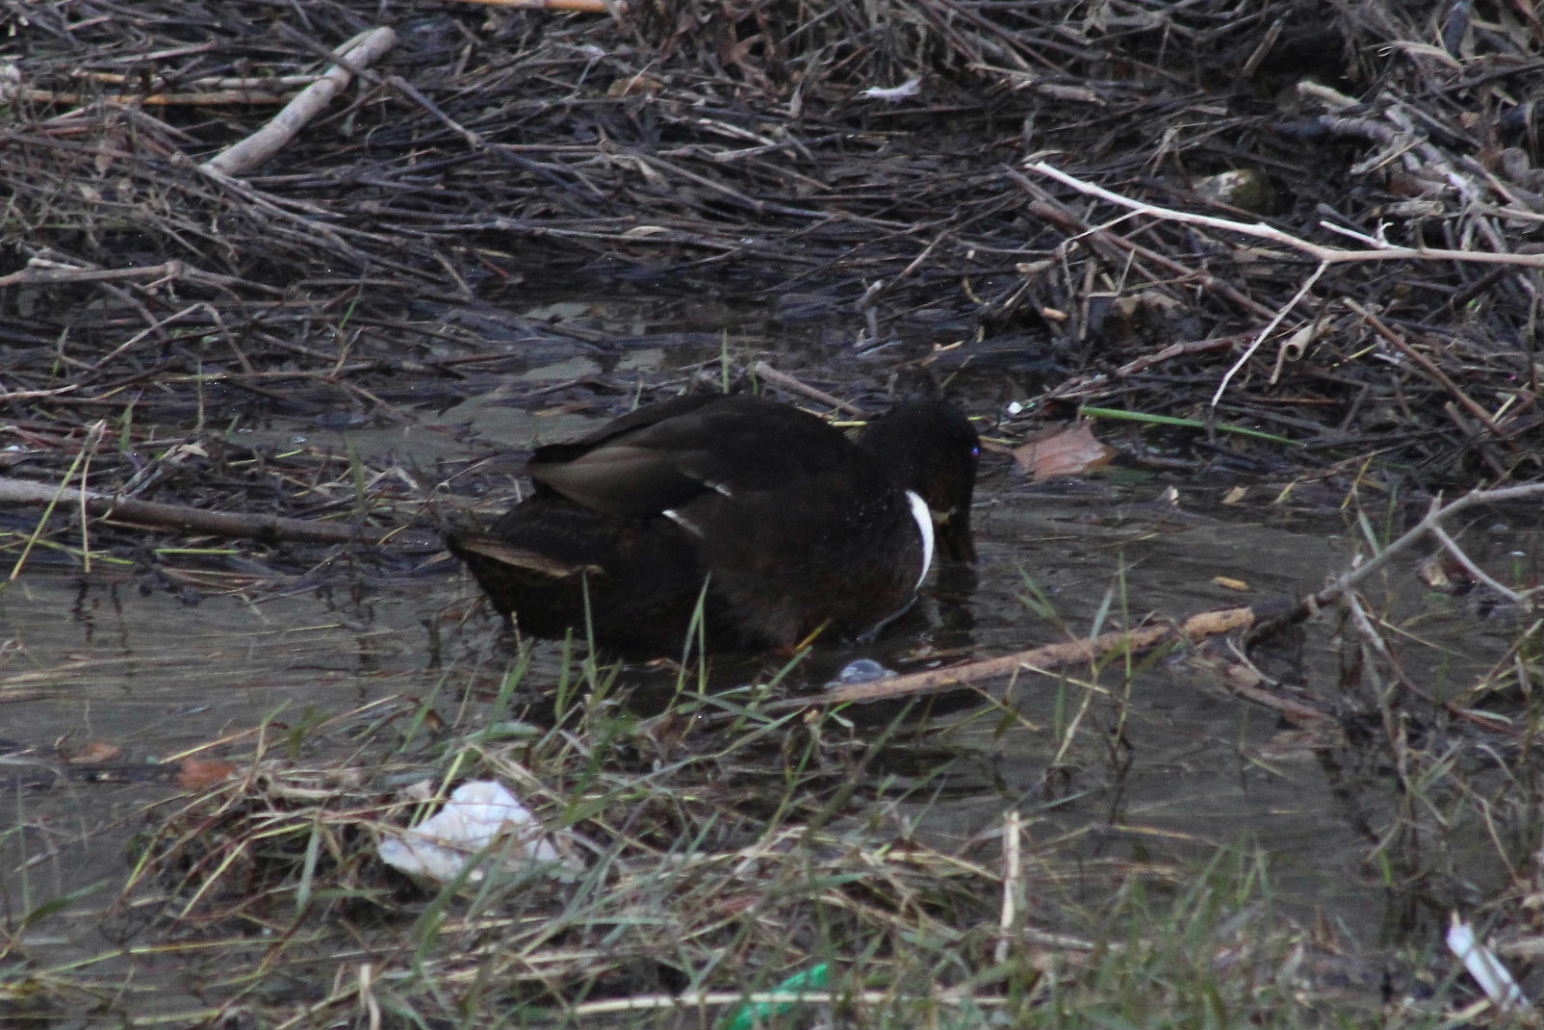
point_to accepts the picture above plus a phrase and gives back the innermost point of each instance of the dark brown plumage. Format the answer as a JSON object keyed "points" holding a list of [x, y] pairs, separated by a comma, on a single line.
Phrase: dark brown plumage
{"points": [[776, 520]]}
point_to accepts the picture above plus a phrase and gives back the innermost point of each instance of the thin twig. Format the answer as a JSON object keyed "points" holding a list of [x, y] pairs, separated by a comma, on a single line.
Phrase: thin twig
{"points": [[1438, 511], [794, 385], [1452, 548]]}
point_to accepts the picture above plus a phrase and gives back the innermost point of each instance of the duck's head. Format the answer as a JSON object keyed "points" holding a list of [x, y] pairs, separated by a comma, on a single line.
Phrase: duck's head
{"points": [[931, 448]]}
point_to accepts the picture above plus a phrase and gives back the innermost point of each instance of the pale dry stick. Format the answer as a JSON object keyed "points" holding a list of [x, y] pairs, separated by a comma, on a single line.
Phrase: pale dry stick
{"points": [[1013, 878], [1098, 382], [1452, 548], [37, 274], [1434, 516], [1373, 639], [223, 98], [1324, 255], [1174, 350], [220, 82], [156, 326], [1328, 255], [1040, 659], [1049, 208], [32, 395], [793, 385], [359, 52]]}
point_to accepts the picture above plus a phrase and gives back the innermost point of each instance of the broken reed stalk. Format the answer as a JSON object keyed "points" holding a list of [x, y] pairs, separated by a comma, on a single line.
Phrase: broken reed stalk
{"points": [[1258, 620]]}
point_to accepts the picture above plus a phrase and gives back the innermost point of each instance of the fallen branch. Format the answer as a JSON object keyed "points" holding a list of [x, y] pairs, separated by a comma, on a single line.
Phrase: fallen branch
{"points": [[208, 98], [1430, 524], [42, 273], [359, 52], [181, 519], [1072, 652]]}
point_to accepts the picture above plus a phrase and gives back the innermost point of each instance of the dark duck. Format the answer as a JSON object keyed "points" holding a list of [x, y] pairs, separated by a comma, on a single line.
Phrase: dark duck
{"points": [[776, 522]]}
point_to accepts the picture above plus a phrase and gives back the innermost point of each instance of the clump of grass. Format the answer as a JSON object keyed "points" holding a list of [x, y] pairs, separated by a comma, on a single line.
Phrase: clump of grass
{"points": [[739, 864]]}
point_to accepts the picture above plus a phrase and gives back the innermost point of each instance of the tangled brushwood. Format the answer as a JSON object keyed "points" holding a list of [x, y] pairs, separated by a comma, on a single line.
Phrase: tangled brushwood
{"points": [[882, 156]]}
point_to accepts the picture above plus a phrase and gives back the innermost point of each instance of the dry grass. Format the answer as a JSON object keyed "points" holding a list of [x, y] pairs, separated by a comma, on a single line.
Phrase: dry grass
{"points": [[702, 149], [717, 851]]}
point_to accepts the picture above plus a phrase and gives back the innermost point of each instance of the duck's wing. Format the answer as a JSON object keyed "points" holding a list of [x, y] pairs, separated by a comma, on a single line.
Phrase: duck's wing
{"points": [[662, 457], [472, 547]]}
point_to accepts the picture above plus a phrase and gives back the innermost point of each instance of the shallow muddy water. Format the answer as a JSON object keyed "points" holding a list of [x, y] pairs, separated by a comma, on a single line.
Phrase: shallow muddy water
{"points": [[89, 658]]}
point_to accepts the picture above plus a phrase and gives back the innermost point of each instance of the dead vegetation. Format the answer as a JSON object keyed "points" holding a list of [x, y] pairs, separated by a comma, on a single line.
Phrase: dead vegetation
{"points": [[832, 156]]}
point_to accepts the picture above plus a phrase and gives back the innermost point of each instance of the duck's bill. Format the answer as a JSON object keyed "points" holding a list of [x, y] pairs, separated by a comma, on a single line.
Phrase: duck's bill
{"points": [[955, 542]]}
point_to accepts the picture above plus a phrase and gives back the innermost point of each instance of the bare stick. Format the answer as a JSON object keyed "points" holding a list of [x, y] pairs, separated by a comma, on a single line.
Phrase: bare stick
{"points": [[1328, 255], [1354, 578], [1050, 656], [227, 98], [34, 274], [1478, 573], [182, 519], [793, 385], [358, 52]]}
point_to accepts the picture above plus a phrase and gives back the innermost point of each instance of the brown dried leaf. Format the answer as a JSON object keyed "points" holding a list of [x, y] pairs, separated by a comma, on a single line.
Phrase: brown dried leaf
{"points": [[1068, 450], [197, 773], [94, 751]]}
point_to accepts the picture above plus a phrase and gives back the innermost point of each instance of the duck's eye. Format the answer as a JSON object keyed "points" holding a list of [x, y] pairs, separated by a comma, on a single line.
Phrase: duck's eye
{"points": [[975, 453]]}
